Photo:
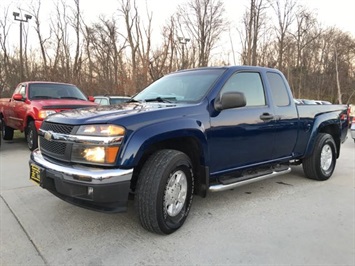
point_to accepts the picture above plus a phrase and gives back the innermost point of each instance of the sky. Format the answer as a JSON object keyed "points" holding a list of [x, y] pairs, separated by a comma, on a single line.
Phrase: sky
{"points": [[340, 13]]}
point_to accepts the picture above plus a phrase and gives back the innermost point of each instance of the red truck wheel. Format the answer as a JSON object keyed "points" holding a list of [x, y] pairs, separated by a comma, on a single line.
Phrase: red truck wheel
{"points": [[320, 165], [165, 191], [7, 132], [32, 136]]}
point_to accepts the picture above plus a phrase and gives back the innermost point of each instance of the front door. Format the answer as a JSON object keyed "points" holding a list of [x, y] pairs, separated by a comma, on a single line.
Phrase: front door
{"points": [[242, 136]]}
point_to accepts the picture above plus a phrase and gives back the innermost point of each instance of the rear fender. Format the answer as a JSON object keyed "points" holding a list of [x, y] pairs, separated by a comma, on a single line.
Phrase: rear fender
{"points": [[325, 123]]}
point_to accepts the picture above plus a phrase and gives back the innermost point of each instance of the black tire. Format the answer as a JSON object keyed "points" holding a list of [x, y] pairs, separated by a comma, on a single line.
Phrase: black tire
{"points": [[321, 164], [157, 203], [31, 136], [7, 132]]}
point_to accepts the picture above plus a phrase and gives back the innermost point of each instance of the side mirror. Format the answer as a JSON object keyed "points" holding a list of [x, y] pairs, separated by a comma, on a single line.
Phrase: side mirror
{"points": [[91, 98], [17, 97], [230, 100]]}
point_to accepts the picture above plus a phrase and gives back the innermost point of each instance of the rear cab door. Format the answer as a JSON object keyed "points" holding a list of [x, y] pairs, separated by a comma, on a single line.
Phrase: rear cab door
{"points": [[285, 113]]}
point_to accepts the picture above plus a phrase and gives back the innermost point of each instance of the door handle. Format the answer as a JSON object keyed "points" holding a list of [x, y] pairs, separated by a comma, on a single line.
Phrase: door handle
{"points": [[266, 116]]}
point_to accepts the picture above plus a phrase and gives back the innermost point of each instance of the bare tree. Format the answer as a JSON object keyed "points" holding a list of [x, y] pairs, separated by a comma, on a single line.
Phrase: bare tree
{"points": [[164, 60], [61, 66], [203, 20], [35, 12], [285, 16], [145, 33], [75, 23], [5, 80], [306, 32], [131, 21], [253, 21], [102, 53]]}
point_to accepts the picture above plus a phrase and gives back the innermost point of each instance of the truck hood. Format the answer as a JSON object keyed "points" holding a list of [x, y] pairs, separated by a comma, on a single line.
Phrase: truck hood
{"points": [[62, 104], [109, 113]]}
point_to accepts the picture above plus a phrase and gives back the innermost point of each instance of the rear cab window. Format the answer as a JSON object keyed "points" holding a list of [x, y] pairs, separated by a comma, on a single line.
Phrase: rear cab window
{"points": [[278, 89]]}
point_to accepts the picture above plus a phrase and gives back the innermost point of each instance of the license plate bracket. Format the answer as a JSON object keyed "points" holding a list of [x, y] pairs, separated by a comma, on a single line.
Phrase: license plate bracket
{"points": [[37, 174]]}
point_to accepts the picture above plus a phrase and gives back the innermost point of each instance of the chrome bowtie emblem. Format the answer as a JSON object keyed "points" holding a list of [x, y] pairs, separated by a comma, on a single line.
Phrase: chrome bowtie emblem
{"points": [[48, 136]]}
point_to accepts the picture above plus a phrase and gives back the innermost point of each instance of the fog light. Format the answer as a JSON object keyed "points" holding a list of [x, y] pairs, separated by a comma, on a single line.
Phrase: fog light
{"points": [[90, 191]]}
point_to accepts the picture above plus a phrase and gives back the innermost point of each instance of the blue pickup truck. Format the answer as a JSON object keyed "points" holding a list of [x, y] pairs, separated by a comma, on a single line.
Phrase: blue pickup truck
{"points": [[188, 133]]}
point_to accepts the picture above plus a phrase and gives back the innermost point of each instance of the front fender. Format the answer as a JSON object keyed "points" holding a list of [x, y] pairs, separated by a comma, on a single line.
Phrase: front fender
{"points": [[136, 144], [29, 113]]}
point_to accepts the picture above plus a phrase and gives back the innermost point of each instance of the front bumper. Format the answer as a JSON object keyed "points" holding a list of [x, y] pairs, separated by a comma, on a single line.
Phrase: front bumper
{"points": [[99, 189]]}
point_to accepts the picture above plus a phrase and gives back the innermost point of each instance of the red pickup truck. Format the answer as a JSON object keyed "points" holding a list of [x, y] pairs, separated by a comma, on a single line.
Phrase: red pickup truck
{"points": [[32, 102]]}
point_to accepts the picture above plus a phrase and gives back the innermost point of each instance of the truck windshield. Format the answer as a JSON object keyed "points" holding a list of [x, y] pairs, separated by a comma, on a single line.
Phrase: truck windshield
{"points": [[55, 91], [186, 86]]}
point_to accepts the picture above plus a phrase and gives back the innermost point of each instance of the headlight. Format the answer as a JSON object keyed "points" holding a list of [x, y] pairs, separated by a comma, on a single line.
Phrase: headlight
{"points": [[95, 154], [104, 146], [101, 130], [42, 114]]}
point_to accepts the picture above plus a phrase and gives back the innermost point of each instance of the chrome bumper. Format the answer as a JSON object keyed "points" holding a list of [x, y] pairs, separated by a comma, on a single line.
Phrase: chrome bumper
{"points": [[83, 173]]}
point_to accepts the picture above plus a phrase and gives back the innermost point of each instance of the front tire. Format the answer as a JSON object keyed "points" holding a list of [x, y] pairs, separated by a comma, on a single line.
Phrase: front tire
{"points": [[320, 164], [165, 191], [32, 136]]}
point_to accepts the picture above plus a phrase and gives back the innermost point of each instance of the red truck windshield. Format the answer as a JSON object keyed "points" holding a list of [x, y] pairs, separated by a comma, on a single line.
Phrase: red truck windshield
{"points": [[54, 91]]}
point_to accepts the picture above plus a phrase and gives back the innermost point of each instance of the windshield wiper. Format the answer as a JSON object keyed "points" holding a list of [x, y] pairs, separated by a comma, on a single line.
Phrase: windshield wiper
{"points": [[160, 99], [133, 101]]}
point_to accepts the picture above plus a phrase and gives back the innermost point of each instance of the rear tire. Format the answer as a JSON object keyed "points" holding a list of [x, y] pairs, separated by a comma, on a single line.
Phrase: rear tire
{"points": [[165, 191], [31, 136], [321, 163], [7, 132]]}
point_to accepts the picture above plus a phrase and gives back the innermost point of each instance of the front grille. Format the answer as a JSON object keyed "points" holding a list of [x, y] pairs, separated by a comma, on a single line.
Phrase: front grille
{"points": [[52, 146], [53, 149]]}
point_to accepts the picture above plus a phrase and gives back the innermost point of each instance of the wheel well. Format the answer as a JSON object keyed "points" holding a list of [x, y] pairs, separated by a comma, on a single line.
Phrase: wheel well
{"points": [[333, 130], [28, 120], [188, 145]]}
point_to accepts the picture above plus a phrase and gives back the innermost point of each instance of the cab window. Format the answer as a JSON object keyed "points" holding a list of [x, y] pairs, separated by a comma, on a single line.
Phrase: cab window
{"points": [[21, 89], [248, 83], [278, 89]]}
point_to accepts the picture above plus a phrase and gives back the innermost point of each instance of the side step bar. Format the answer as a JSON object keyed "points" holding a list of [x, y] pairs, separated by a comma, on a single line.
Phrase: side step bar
{"points": [[222, 187]]}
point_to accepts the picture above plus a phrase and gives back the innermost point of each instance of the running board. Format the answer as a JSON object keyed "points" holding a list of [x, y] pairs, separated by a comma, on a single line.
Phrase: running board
{"points": [[222, 187]]}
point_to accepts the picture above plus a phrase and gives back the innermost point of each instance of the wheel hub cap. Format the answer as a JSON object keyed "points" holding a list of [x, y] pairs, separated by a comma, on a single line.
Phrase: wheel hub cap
{"points": [[175, 193], [326, 157], [30, 138]]}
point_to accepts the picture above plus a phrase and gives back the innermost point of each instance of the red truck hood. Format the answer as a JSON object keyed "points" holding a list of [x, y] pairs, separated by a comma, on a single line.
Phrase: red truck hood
{"points": [[60, 104]]}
